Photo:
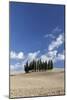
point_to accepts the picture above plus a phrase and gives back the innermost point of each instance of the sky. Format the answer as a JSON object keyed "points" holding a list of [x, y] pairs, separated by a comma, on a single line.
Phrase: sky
{"points": [[36, 32]]}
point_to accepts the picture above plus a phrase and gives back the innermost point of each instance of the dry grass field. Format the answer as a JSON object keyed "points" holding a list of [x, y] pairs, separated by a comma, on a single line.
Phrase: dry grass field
{"points": [[37, 84]]}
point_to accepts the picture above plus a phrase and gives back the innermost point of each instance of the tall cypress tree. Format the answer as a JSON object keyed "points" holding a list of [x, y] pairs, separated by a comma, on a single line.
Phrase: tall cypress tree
{"points": [[51, 64], [26, 68], [46, 66], [34, 65], [38, 65]]}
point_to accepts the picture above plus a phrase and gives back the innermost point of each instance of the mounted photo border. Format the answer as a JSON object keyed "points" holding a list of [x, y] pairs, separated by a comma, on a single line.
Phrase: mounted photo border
{"points": [[64, 48]]}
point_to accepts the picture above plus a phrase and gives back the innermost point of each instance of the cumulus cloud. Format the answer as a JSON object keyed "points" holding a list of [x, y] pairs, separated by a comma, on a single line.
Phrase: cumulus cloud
{"points": [[55, 30], [14, 55], [20, 55], [55, 44], [50, 55], [44, 58], [17, 66], [50, 36], [53, 55], [33, 55], [60, 56]]}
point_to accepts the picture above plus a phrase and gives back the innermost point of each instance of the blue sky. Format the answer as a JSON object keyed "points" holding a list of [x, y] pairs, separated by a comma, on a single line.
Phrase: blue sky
{"points": [[36, 31]]}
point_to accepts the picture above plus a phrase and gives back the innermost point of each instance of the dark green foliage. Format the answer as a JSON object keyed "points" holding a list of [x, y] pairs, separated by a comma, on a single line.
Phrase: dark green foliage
{"points": [[26, 68], [38, 66], [46, 66], [51, 64]]}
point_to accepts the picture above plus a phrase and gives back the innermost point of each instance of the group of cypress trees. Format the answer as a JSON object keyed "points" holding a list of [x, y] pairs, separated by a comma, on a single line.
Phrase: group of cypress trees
{"points": [[38, 66]]}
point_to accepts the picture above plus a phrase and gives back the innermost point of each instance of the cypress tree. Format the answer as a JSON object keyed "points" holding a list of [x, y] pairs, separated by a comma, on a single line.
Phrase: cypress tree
{"points": [[45, 65], [38, 65], [26, 68], [51, 64]]}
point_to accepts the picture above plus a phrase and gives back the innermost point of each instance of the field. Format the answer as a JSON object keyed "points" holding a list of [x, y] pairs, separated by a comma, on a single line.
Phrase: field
{"points": [[37, 84]]}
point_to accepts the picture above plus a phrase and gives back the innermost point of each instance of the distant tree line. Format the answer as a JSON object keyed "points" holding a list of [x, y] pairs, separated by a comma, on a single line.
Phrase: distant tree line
{"points": [[38, 66]]}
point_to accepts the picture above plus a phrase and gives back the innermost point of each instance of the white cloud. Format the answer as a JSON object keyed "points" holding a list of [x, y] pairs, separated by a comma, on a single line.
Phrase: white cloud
{"points": [[53, 55], [50, 55], [33, 55], [49, 35], [44, 58], [60, 56], [17, 66], [56, 30], [20, 55], [14, 55], [12, 67], [55, 44]]}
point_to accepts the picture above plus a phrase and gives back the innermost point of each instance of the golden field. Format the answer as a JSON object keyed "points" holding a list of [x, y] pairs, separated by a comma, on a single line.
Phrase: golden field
{"points": [[47, 83]]}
